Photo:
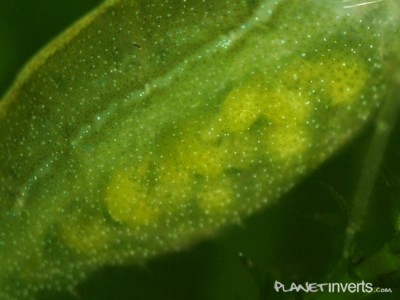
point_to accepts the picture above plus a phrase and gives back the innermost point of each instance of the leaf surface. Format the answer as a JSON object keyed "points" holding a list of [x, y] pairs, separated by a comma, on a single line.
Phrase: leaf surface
{"points": [[149, 125]]}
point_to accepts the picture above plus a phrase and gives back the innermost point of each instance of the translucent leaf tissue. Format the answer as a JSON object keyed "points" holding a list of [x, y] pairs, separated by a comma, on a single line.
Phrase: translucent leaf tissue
{"points": [[149, 125]]}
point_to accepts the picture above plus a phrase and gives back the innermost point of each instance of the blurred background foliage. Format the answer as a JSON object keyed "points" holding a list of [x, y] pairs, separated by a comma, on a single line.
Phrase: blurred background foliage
{"points": [[297, 239]]}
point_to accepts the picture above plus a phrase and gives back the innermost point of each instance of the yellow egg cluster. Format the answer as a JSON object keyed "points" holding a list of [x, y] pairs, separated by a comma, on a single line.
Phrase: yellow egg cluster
{"points": [[257, 120]]}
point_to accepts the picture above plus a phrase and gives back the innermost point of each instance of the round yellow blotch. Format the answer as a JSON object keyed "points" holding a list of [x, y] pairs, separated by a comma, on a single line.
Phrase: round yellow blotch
{"points": [[285, 143], [344, 80], [341, 80], [216, 195], [174, 180], [246, 103], [241, 107], [285, 107], [127, 201], [85, 238], [199, 156]]}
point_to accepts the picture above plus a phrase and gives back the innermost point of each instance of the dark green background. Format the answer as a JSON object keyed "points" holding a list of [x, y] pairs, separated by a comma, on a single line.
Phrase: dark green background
{"points": [[297, 239]]}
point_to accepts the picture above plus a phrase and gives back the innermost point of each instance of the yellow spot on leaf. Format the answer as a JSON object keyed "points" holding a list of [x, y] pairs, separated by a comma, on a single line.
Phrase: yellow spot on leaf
{"points": [[242, 107], [246, 103], [344, 81], [216, 195], [341, 80], [198, 156], [286, 111], [127, 201], [174, 181], [285, 143], [285, 107], [86, 238]]}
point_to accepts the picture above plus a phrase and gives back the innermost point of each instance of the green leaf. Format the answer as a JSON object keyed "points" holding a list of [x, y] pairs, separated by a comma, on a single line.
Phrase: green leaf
{"points": [[150, 125]]}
